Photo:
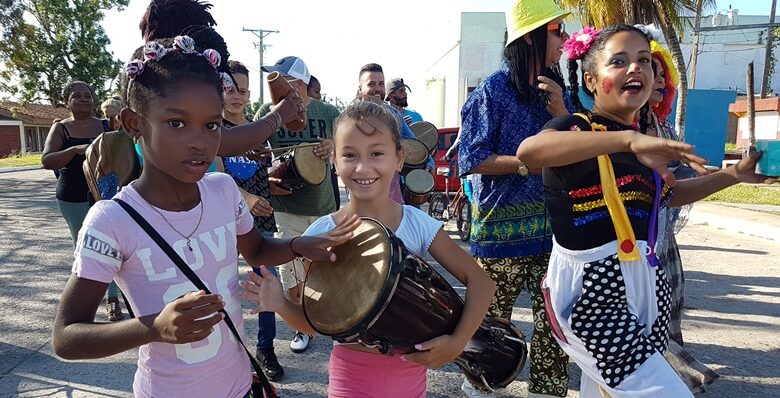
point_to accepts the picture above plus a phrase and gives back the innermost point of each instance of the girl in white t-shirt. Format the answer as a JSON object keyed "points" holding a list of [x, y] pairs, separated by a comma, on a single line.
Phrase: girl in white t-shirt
{"points": [[368, 154], [175, 112]]}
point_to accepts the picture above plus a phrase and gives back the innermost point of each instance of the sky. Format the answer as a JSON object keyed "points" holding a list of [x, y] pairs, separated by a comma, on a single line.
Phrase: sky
{"points": [[335, 38]]}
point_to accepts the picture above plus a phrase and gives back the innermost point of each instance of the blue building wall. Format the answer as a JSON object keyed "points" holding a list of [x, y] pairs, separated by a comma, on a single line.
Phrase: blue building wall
{"points": [[706, 121]]}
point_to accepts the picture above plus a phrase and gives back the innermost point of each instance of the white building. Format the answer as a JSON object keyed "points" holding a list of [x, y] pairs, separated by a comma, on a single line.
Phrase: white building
{"points": [[723, 56]]}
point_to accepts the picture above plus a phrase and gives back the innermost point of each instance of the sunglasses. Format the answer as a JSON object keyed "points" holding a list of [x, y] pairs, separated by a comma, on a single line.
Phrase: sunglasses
{"points": [[558, 28]]}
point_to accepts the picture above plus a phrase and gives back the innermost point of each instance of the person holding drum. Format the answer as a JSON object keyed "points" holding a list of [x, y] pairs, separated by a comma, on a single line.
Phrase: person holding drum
{"points": [[299, 204], [371, 82], [368, 154], [397, 98], [510, 232]]}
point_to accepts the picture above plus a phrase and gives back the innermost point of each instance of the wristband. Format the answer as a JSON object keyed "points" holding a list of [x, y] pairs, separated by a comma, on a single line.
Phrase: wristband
{"points": [[295, 253]]}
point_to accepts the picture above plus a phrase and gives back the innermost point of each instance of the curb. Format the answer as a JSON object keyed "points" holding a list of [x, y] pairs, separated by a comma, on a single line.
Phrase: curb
{"points": [[732, 219], [23, 168]]}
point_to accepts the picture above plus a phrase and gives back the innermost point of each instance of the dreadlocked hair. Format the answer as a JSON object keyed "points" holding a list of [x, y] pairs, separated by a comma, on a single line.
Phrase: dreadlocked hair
{"points": [[366, 107], [173, 69], [522, 59], [206, 37], [590, 59], [168, 18]]}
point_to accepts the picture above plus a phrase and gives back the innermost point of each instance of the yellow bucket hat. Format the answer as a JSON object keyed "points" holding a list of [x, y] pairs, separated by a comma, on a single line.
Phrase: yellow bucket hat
{"points": [[526, 15]]}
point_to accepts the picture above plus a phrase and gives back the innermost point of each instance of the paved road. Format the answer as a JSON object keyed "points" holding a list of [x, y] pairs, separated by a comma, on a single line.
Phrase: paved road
{"points": [[731, 320]]}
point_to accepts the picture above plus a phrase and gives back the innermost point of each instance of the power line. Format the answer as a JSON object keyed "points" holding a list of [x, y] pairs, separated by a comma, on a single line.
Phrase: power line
{"points": [[261, 34]]}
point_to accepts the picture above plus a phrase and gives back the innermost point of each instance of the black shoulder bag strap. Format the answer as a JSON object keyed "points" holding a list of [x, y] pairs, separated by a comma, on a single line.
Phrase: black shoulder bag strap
{"points": [[267, 388]]}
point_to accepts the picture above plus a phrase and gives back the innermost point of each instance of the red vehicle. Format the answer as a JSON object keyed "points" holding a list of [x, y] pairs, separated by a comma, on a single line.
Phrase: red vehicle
{"points": [[447, 136]]}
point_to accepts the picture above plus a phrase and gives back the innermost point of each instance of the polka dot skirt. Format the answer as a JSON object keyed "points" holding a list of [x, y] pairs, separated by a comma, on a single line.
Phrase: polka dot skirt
{"points": [[612, 334]]}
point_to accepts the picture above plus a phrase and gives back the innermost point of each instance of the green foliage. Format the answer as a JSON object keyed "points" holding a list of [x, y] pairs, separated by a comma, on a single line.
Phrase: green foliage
{"points": [[44, 44], [251, 109], [335, 101], [748, 194]]}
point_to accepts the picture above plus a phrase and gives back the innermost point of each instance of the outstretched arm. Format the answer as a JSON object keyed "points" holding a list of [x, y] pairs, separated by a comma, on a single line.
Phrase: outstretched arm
{"points": [[694, 189]]}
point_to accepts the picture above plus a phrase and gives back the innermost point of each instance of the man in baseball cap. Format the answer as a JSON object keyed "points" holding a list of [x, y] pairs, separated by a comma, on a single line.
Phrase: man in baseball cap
{"points": [[290, 67], [397, 97]]}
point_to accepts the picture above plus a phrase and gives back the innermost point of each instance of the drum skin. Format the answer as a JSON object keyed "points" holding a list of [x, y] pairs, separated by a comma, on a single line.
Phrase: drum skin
{"points": [[428, 134], [298, 168], [380, 295], [416, 155], [417, 187]]}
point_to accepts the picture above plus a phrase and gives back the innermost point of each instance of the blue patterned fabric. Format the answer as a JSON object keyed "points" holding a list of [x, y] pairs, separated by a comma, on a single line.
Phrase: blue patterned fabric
{"points": [[509, 217]]}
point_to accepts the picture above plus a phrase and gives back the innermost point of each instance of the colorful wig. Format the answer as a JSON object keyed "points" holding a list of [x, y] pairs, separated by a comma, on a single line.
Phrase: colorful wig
{"points": [[664, 108]]}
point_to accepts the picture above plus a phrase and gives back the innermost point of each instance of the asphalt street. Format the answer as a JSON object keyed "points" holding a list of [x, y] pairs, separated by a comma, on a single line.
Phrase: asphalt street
{"points": [[731, 320]]}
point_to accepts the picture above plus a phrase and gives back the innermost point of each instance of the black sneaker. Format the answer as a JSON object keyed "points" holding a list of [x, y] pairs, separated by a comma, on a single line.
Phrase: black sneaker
{"points": [[270, 364]]}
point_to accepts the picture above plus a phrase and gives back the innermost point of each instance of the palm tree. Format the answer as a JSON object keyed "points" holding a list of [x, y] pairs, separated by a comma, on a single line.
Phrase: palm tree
{"points": [[664, 13]]}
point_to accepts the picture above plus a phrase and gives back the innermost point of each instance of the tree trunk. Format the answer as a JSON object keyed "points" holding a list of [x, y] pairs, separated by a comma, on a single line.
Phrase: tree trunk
{"points": [[679, 61]]}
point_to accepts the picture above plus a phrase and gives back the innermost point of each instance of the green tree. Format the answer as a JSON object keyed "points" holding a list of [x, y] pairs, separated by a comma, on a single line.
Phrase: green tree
{"points": [[335, 101], [46, 43]]}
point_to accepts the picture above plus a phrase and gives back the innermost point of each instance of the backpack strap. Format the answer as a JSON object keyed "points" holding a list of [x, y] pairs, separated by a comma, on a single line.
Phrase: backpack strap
{"points": [[627, 249]]}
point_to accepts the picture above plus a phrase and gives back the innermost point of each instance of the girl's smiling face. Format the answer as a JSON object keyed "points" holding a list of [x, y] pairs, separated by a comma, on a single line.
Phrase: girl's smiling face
{"points": [[180, 132], [366, 158], [623, 77]]}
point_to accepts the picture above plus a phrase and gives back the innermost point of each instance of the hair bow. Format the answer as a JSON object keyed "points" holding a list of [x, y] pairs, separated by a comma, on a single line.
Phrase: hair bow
{"points": [[184, 43]]}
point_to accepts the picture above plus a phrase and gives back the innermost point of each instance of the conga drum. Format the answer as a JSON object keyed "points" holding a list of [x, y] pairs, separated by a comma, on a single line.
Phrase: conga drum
{"points": [[417, 186], [416, 155], [298, 168], [380, 295], [428, 134]]}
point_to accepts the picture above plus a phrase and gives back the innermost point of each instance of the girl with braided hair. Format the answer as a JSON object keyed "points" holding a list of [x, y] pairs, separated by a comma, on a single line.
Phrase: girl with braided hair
{"points": [[175, 101], [605, 185]]}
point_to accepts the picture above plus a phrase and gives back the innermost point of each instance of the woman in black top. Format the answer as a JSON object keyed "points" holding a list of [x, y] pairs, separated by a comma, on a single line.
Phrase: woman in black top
{"points": [[606, 297], [64, 150]]}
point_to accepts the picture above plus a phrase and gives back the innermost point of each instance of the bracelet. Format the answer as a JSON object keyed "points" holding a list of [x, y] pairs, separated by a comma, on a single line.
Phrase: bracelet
{"points": [[278, 118], [293, 250], [270, 123], [276, 123]]}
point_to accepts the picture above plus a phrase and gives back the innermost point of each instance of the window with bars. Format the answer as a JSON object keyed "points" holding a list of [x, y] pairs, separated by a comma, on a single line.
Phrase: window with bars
{"points": [[35, 136]]}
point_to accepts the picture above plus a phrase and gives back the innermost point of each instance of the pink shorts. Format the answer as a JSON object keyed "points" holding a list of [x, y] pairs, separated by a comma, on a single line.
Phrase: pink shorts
{"points": [[355, 373]]}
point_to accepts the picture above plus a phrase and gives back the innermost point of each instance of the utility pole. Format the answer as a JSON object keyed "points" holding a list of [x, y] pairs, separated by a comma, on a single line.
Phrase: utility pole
{"points": [[768, 56], [695, 52], [751, 110], [260, 33]]}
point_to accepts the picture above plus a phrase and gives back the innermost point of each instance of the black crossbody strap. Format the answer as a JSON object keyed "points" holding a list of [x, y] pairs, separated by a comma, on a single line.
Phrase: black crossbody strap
{"points": [[185, 269]]}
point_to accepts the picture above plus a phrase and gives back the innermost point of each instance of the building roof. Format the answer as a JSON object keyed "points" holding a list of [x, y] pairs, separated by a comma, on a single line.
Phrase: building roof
{"points": [[32, 113]]}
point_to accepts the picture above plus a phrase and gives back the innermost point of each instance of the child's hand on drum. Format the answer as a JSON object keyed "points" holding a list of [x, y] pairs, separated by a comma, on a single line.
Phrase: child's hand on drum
{"points": [[277, 189], [259, 206], [265, 290], [436, 352], [315, 248]]}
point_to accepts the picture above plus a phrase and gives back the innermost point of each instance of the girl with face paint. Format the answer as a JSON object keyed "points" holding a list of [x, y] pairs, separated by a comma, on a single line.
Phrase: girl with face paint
{"points": [[608, 299]]}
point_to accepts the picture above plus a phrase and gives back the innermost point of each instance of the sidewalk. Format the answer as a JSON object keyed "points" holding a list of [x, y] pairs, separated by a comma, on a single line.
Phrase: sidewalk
{"points": [[754, 220]]}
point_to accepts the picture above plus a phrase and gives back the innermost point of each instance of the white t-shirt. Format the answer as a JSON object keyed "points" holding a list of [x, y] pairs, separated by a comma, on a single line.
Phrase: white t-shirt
{"points": [[112, 246], [416, 229]]}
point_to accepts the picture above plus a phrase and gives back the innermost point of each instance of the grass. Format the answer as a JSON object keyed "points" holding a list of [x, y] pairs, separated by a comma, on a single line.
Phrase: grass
{"points": [[748, 194], [16, 160]]}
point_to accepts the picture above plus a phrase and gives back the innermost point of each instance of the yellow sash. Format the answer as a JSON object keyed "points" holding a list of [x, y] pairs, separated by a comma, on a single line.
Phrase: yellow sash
{"points": [[627, 250]]}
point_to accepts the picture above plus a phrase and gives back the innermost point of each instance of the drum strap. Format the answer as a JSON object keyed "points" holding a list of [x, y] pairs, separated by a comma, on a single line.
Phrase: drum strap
{"points": [[267, 388]]}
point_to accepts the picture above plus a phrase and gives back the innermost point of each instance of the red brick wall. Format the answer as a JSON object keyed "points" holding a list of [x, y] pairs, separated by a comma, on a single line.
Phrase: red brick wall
{"points": [[9, 140]]}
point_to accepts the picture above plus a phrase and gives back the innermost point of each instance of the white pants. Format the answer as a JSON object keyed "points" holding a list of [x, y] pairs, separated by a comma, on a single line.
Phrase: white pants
{"points": [[612, 318], [289, 226]]}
